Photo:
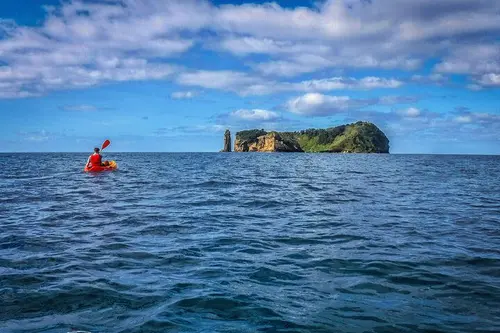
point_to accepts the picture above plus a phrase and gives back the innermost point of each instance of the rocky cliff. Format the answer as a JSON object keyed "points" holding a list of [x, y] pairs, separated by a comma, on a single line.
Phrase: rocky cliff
{"points": [[360, 137], [260, 141]]}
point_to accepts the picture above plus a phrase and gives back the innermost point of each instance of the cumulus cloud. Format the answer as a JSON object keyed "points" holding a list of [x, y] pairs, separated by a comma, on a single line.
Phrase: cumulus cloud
{"points": [[289, 68], [225, 80], [373, 34], [81, 44], [435, 78], [245, 45], [463, 119], [473, 58], [337, 83], [32, 80], [255, 115], [479, 61], [241, 118], [315, 104], [490, 80], [362, 20], [247, 84], [410, 112], [478, 118], [85, 43], [310, 62]]}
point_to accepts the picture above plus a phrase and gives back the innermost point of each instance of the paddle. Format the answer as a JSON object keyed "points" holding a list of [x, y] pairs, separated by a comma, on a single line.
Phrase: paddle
{"points": [[105, 144]]}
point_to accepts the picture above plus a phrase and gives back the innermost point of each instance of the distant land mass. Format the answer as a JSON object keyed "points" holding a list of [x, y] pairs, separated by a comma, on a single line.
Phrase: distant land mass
{"points": [[359, 137]]}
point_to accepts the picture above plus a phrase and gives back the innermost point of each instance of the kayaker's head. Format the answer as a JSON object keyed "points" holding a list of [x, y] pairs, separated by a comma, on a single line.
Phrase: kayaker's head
{"points": [[96, 150]]}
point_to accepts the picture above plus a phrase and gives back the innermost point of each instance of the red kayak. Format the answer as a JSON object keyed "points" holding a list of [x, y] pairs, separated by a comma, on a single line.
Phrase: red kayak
{"points": [[97, 168]]}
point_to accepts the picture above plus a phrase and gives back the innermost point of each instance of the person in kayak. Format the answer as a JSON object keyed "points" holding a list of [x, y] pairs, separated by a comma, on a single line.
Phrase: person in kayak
{"points": [[95, 159]]}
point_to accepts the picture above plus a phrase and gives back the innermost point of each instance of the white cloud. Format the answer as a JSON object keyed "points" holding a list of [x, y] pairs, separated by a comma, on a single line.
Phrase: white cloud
{"points": [[36, 136], [478, 118], [379, 34], [224, 80], [75, 50], [463, 119], [289, 68], [434, 79], [311, 62], [476, 59], [85, 43], [411, 112], [337, 83], [252, 45], [331, 20], [246, 84], [184, 94], [254, 115], [315, 104], [464, 22], [490, 80]]}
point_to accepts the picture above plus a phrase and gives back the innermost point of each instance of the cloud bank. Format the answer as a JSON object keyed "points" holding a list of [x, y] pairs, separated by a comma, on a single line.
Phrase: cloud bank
{"points": [[81, 44]]}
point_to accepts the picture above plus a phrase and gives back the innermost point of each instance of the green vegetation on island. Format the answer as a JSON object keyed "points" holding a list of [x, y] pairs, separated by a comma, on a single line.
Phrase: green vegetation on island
{"points": [[250, 136], [359, 137]]}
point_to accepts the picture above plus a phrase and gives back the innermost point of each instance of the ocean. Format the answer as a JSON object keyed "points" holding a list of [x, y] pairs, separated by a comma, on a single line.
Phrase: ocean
{"points": [[250, 242]]}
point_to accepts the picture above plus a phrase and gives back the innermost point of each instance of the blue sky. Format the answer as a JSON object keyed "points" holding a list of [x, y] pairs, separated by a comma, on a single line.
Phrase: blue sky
{"points": [[173, 75]]}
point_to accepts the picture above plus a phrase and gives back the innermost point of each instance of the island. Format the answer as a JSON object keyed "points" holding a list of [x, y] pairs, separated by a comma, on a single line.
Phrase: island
{"points": [[359, 137]]}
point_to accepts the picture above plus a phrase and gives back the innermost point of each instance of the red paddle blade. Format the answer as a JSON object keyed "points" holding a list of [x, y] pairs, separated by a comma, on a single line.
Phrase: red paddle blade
{"points": [[105, 144]]}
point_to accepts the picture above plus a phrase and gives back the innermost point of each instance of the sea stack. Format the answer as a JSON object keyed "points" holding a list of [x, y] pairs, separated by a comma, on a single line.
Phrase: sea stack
{"points": [[227, 142]]}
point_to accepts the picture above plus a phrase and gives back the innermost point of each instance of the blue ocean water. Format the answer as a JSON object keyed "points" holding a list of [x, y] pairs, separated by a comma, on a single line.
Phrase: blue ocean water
{"points": [[250, 243]]}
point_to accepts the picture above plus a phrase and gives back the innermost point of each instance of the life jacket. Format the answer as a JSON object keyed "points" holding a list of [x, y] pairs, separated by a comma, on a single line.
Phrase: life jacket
{"points": [[95, 159]]}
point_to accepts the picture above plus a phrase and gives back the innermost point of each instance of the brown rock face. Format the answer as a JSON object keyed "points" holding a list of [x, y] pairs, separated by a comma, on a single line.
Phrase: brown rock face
{"points": [[227, 142], [270, 142], [240, 146]]}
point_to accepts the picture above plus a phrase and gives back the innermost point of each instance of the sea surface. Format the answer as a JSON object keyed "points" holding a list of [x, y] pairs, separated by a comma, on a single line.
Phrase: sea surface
{"points": [[215, 242]]}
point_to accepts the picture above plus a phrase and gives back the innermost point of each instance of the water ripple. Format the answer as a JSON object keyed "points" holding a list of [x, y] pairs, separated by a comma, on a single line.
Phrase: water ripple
{"points": [[250, 243]]}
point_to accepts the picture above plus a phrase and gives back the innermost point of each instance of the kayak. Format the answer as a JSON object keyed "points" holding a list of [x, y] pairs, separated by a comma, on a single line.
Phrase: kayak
{"points": [[98, 168]]}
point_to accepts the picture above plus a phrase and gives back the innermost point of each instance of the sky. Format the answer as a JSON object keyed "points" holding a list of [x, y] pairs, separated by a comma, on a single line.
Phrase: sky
{"points": [[173, 75]]}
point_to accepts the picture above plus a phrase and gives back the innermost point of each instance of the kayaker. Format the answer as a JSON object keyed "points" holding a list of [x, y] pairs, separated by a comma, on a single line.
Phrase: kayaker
{"points": [[95, 158]]}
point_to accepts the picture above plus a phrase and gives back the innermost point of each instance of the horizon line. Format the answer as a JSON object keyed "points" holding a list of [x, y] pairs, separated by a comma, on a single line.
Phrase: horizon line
{"points": [[216, 152]]}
